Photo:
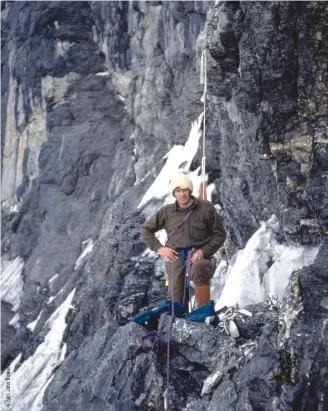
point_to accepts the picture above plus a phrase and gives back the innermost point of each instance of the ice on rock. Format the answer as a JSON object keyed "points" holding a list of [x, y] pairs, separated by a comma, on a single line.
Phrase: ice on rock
{"points": [[262, 268]]}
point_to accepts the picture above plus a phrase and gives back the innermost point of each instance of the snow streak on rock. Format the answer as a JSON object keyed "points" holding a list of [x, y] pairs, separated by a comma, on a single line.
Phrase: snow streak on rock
{"points": [[262, 268], [33, 324], [11, 282], [14, 322], [30, 380], [88, 244]]}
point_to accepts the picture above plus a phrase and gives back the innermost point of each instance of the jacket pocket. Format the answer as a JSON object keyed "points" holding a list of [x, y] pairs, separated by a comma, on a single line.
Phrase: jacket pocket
{"points": [[199, 224], [199, 231]]}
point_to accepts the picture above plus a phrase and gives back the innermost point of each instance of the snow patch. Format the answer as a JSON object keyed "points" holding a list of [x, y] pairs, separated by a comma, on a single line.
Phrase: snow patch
{"points": [[14, 322], [262, 268], [14, 208], [53, 278], [50, 300], [31, 326], [12, 282], [30, 380], [54, 296], [103, 74], [88, 244]]}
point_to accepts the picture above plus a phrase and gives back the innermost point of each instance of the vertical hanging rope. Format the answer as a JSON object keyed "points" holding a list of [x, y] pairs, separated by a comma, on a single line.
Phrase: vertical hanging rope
{"points": [[166, 392], [203, 80]]}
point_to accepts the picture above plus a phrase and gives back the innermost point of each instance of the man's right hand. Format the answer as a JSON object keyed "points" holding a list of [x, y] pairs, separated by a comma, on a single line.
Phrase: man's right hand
{"points": [[168, 254]]}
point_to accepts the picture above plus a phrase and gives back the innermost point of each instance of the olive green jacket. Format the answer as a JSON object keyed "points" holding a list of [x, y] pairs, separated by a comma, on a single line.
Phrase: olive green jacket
{"points": [[203, 229]]}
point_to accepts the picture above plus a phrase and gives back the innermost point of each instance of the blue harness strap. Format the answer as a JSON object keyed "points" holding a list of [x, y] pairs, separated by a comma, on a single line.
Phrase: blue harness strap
{"points": [[183, 253]]}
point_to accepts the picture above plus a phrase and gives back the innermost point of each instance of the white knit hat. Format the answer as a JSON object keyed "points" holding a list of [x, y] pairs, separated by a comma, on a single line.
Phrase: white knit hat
{"points": [[181, 181]]}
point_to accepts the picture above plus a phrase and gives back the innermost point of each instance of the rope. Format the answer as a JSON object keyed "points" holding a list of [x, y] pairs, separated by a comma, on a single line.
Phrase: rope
{"points": [[187, 284], [203, 80], [166, 392]]}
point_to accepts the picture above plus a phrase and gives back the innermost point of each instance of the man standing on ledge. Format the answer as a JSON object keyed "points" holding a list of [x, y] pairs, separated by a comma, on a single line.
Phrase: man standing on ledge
{"points": [[201, 230]]}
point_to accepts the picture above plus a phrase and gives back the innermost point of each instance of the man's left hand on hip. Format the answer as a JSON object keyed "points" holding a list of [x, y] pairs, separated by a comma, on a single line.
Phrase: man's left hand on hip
{"points": [[197, 255]]}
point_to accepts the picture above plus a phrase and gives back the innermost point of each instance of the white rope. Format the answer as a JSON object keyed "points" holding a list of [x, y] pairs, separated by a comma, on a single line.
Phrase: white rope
{"points": [[203, 80]]}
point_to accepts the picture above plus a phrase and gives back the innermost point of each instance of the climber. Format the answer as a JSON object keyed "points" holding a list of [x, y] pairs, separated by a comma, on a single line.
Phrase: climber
{"points": [[201, 231]]}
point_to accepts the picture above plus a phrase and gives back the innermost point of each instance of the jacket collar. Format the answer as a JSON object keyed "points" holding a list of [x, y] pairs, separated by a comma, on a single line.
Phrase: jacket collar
{"points": [[194, 204]]}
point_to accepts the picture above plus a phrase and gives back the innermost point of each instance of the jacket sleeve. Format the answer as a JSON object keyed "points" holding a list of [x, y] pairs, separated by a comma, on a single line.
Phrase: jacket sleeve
{"points": [[155, 223], [218, 234]]}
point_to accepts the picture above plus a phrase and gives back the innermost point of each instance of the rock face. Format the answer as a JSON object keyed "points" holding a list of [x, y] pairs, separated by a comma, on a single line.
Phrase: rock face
{"points": [[266, 115], [280, 363], [101, 373], [94, 94]]}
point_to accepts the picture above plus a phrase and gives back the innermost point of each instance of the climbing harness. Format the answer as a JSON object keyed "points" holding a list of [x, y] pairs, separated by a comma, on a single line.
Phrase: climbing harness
{"points": [[203, 80]]}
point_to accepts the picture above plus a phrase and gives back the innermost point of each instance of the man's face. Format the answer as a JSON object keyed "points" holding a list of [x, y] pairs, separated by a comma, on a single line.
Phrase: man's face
{"points": [[182, 195]]}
